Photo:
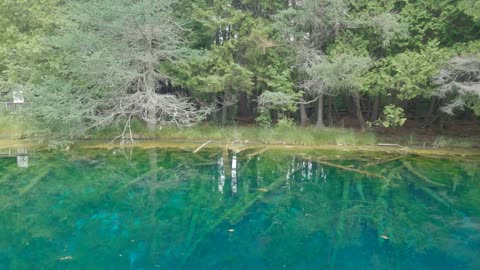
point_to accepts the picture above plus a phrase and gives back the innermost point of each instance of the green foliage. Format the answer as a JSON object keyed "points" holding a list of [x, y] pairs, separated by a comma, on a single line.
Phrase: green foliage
{"points": [[341, 73], [91, 64], [264, 119], [406, 78], [24, 58], [279, 102], [108, 74], [393, 117], [286, 122], [440, 20], [471, 7]]}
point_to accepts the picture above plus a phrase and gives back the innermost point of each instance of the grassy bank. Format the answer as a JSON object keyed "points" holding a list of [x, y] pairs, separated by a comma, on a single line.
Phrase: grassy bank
{"points": [[274, 135], [13, 129], [293, 136]]}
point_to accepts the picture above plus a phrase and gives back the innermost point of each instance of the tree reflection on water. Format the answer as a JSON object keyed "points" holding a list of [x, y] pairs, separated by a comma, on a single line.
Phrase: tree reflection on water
{"points": [[219, 209]]}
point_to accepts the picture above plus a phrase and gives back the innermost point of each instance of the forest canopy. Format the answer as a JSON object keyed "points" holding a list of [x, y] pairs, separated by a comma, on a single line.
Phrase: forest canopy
{"points": [[85, 65]]}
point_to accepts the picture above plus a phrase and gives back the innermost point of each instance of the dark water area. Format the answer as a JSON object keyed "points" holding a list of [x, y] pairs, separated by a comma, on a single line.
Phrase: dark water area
{"points": [[171, 209]]}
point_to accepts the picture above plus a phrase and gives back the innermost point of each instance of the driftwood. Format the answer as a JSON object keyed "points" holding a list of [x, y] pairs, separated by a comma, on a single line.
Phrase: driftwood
{"points": [[420, 175], [389, 144]]}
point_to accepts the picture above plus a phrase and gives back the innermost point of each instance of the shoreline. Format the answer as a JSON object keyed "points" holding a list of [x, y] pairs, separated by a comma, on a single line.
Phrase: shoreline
{"points": [[199, 145], [238, 147]]}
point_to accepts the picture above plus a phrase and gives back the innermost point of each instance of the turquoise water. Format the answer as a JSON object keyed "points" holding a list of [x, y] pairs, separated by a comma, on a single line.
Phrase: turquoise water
{"points": [[171, 209]]}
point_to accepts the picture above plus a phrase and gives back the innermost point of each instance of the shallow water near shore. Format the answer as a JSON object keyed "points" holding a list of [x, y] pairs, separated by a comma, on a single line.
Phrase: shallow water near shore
{"points": [[259, 209]]}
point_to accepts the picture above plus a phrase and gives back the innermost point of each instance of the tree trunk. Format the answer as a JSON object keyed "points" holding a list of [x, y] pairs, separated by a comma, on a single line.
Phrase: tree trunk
{"points": [[418, 109], [303, 115], [274, 116], [224, 108], [224, 114], [152, 112], [217, 37], [151, 107], [330, 111], [150, 86], [358, 110], [443, 116], [243, 106], [348, 104], [320, 113], [335, 110], [390, 98], [376, 108], [431, 110]]}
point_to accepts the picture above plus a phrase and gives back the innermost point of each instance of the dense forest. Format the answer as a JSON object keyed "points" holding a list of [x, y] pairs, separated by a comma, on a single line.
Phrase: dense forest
{"points": [[84, 65]]}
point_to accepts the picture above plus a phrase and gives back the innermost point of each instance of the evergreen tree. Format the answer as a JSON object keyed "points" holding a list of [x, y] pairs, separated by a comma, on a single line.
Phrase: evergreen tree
{"points": [[112, 69]]}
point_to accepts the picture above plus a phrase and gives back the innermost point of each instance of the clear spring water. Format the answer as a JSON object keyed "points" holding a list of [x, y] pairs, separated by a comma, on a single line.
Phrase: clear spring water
{"points": [[171, 209]]}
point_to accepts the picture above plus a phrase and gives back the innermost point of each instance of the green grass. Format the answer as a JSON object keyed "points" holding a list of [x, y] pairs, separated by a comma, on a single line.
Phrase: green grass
{"points": [[445, 142], [11, 128], [427, 141], [272, 135], [287, 135]]}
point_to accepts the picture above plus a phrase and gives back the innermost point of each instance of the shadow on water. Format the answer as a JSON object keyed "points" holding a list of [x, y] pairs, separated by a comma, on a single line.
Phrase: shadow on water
{"points": [[217, 209]]}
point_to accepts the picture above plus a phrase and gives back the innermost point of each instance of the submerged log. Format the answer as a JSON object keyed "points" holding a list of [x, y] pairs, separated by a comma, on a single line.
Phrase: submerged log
{"points": [[139, 178], [420, 175], [383, 161], [366, 173], [37, 179], [233, 214], [259, 152], [201, 146], [436, 197]]}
